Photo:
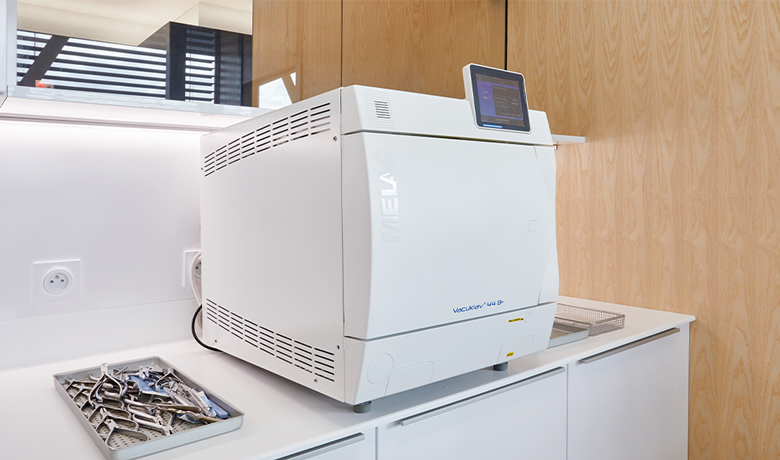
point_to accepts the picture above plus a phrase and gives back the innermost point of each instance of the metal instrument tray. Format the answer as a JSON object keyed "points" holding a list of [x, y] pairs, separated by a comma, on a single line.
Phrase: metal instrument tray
{"points": [[595, 321], [563, 333], [127, 447]]}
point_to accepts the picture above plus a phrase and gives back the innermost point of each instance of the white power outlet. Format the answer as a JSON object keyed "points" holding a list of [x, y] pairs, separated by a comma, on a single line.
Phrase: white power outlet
{"points": [[188, 257], [196, 270], [56, 282]]}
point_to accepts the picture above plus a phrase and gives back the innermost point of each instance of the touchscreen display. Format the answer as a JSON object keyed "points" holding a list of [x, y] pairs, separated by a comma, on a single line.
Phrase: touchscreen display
{"points": [[499, 97]]}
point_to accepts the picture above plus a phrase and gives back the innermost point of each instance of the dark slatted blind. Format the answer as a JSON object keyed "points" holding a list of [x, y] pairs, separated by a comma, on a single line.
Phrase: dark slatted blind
{"points": [[180, 62], [200, 71], [86, 65]]}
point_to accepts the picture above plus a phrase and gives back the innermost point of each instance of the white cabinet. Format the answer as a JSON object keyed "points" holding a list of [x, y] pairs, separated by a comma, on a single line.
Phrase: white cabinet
{"points": [[359, 446], [525, 419], [631, 402]]}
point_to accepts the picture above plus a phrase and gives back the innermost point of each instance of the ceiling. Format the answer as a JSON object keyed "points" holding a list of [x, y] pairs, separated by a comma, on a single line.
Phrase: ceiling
{"points": [[129, 21]]}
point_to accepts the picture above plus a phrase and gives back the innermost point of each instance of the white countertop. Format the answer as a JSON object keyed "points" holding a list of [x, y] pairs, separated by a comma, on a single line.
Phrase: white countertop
{"points": [[281, 417]]}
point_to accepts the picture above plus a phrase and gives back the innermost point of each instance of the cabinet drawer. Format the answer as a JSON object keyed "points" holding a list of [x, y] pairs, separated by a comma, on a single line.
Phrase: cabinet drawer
{"points": [[359, 446], [631, 402], [526, 419]]}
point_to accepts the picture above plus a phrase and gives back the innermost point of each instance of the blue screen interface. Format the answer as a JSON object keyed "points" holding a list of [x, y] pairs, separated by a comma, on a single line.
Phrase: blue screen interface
{"points": [[500, 101]]}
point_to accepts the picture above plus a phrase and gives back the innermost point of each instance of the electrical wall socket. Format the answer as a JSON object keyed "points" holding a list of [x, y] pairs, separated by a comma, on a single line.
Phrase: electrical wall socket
{"points": [[56, 282], [197, 273], [188, 256]]}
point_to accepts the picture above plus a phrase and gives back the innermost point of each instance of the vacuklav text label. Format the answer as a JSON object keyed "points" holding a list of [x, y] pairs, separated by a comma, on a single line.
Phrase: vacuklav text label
{"points": [[477, 307]]}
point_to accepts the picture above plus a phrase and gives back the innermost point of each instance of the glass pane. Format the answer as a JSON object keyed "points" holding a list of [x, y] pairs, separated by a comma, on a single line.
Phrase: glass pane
{"points": [[175, 49], [273, 95]]}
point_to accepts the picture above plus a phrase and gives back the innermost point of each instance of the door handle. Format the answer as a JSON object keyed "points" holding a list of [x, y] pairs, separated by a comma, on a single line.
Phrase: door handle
{"points": [[463, 402], [327, 447], [629, 346]]}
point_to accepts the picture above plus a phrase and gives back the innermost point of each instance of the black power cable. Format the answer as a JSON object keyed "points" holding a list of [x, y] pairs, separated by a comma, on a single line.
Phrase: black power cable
{"points": [[197, 339]]}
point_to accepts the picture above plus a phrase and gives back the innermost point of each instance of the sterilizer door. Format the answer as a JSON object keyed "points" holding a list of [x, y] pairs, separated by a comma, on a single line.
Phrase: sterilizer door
{"points": [[443, 230]]}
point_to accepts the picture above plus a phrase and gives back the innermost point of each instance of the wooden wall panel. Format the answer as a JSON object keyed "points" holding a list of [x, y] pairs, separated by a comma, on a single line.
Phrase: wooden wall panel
{"points": [[674, 202], [302, 36], [420, 45]]}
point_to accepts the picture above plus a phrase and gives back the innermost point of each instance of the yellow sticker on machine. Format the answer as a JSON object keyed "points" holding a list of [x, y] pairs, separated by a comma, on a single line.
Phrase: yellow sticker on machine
{"points": [[516, 319], [510, 354]]}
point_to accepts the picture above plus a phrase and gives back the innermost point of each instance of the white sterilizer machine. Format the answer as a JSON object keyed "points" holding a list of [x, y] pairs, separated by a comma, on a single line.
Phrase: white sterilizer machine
{"points": [[366, 241]]}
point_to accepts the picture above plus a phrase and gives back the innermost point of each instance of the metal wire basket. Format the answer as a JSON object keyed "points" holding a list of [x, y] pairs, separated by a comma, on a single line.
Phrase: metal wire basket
{"points": [[127, 444], [595, 321]]}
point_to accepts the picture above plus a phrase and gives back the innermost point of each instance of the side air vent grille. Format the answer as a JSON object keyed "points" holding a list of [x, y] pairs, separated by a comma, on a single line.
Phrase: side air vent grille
{"points": [[378, 109], [382, 109], [233, 152], [293, 352], [323, 364], [309, 122]]}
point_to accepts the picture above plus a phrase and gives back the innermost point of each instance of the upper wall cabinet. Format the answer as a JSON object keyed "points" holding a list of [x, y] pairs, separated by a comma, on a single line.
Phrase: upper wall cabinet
{"points": [[421, 46], [312, 46], [180, 50], [297, 50]]}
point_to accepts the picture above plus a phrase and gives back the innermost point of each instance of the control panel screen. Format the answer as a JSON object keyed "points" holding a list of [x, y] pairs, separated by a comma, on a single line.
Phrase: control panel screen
{"points": [[499, 99]]}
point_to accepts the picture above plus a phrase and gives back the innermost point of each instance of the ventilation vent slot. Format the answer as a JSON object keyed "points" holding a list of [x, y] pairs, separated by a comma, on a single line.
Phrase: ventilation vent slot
{"points": [[251, 335], [279, 132], [211, 311], [293, 352], [263, 139], [247, 145], [319, 119], [266, 340], [216, 161], [304, 356], [221, 158], [299, 125], [209, 162], [378, 113], [382, 109], [303, 124], [233, 151], [237, 326], [223, 318], [323, 364]]}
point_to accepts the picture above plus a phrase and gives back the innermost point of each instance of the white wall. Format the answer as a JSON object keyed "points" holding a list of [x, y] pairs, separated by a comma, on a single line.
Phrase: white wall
{"points": [[123, 200]]}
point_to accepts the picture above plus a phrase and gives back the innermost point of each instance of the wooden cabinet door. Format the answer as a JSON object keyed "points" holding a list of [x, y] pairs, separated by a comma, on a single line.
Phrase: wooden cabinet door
{"points": [[631, 402], [526, 419]]}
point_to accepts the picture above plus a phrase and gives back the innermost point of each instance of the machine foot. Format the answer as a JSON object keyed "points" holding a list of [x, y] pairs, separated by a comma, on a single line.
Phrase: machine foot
{"points": [[500, 367], [362, 408]]}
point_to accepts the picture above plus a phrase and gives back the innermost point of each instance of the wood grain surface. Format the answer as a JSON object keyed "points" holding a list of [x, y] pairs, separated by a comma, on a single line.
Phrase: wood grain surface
{"points": [[674, 202], [420, 45], [301, 36]]}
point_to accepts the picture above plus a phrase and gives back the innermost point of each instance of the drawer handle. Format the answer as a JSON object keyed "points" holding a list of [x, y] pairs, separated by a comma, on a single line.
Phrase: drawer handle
{"points": [[446, 408], [327, 447], [629, 346]]}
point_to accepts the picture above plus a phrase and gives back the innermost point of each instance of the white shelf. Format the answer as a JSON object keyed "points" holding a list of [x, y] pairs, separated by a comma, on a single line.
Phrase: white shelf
{"points": [[559, 139], [62, 106]]}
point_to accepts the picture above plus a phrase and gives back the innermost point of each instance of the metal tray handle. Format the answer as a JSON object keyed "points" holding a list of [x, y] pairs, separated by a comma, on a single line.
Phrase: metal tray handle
{"points": [[327, 447], [446, 408], [628, 346]]}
